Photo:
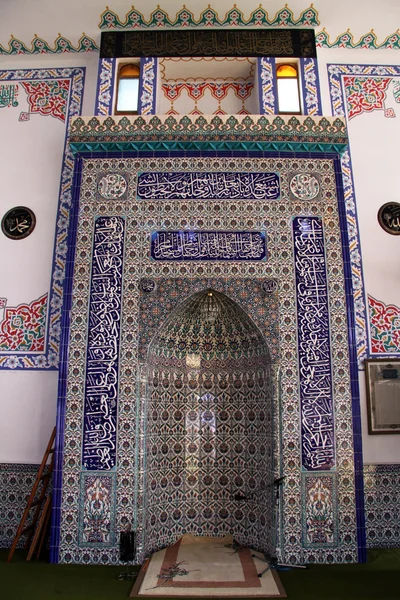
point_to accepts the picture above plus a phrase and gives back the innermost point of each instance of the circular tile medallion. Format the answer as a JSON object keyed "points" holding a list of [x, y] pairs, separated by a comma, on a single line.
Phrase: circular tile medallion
{"points": [[389, 217], [112, 186], [304, 187], [18, 223]]}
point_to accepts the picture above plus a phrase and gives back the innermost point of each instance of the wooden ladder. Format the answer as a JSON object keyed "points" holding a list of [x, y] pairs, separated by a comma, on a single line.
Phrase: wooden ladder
{"points": [[37, 529]]}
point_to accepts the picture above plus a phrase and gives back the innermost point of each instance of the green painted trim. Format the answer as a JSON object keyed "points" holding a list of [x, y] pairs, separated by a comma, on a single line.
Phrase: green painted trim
{"points": [[368, 41], [78, 148], [40, 46], [209, 18]]}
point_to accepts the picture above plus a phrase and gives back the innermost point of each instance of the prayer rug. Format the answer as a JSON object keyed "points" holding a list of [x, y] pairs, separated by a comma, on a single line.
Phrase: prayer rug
{"points": [[206, 567]]}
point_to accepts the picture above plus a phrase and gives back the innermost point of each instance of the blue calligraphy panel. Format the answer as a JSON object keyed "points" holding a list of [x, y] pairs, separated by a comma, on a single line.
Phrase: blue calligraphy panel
{"points": [[101, 386], [208, 245], [199, 185], [315, 370]]}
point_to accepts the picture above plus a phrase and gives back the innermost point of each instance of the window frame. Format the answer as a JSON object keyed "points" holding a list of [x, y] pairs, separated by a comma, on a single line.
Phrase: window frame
{"points": [[118, 78], [295, 65]]}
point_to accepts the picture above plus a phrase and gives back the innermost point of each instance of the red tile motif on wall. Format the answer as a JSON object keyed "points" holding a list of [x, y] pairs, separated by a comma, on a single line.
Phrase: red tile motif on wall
{"points": [[48, 97], [385, 326], [23, 327], [365, 94]]}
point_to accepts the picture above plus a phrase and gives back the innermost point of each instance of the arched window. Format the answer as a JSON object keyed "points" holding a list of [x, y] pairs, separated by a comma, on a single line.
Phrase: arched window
{"points": [[287, 78], [127, 90]]}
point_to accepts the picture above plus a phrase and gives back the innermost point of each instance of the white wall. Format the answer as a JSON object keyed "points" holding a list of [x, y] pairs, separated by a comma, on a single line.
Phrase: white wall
{"points": [[374, 154], [28, 399], [28, 407], [30, 161]]}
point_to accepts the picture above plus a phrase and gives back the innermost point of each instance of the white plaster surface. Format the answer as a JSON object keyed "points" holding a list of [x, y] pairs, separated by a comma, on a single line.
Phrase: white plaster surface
{"points": [[31, 152], [28, 407]]}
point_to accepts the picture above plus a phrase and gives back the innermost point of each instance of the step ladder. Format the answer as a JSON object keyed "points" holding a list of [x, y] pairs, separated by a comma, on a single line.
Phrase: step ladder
{"points": [[36, 530]]}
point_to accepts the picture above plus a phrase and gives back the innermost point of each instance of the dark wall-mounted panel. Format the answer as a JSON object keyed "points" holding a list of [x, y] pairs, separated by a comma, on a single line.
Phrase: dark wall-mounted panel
{"points": [[202, 42]]}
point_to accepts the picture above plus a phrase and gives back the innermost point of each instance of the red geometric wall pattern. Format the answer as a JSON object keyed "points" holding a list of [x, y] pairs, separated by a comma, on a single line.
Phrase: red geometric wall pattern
{"points": [[385, 326], [47, 97], [23, 327], [365, 94]]}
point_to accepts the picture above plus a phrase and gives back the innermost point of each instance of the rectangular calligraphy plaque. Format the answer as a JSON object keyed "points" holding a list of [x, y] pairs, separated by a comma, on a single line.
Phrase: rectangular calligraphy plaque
{"points": [[206, 42], [103, 338], [200, 185], [313, 338], [208, 245]]}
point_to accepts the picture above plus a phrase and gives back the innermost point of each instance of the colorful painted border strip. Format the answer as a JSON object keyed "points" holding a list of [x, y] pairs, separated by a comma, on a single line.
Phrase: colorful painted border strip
{"points": [[310, 86], [368, 41], [148, 86], [40, 46], [105, 87], [209, 18], [49, 360], [267, 93], [313, 339], [103, 337], [89, 134]]}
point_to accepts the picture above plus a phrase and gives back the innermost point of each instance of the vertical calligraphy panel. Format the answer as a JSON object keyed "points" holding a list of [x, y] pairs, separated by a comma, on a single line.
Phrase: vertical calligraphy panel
{"points": [[103, 339], [313, 339]]}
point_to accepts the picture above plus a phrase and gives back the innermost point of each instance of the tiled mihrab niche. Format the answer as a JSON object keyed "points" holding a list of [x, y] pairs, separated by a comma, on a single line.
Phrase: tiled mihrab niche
{"points": [[276, 256]]}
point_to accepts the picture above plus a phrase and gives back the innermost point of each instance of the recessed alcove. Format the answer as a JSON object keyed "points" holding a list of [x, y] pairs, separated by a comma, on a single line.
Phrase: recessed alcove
{"points": [[209, 465], [212, 85]]}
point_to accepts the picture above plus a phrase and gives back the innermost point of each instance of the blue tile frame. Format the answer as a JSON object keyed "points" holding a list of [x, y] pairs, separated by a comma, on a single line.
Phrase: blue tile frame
{"points": [[55, 534], [354, 376], [63, 370]]}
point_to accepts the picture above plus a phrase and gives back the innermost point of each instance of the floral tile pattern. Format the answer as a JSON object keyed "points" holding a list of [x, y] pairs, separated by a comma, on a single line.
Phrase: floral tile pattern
{"points": [[382, 505], [16, 482], [320, 517], [143, 277]]}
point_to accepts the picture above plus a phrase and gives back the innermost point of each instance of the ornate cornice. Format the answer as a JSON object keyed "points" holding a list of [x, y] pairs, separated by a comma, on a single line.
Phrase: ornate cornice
{"points": [[209, 18], [40, 46], [233, 132]]}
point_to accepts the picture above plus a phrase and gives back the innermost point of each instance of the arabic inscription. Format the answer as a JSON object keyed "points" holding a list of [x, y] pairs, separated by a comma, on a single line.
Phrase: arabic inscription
{"points": [[208, 245], [199, 185], [101, 389], [315, 372]]}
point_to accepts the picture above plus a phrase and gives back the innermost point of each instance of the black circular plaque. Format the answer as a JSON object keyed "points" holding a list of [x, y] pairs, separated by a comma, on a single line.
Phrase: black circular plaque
{"points": [[389, 217], [18, 223]]}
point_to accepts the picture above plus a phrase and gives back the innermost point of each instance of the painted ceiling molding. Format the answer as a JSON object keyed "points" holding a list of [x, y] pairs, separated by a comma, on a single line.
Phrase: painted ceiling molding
{"points": [[40, 46], [367, 41], [92, 134], [209, 18]]}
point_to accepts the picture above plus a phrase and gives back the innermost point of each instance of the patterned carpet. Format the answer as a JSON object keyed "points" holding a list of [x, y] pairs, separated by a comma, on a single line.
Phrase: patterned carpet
{"points": [[206, 567]]}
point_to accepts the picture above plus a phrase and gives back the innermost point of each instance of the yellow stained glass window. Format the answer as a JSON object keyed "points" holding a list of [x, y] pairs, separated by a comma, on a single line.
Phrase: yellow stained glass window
{"points": [[288, 89], [128, 89]]}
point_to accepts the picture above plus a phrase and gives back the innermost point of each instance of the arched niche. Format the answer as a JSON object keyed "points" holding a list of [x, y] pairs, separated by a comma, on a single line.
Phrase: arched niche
{"points": [[209, 465]]}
